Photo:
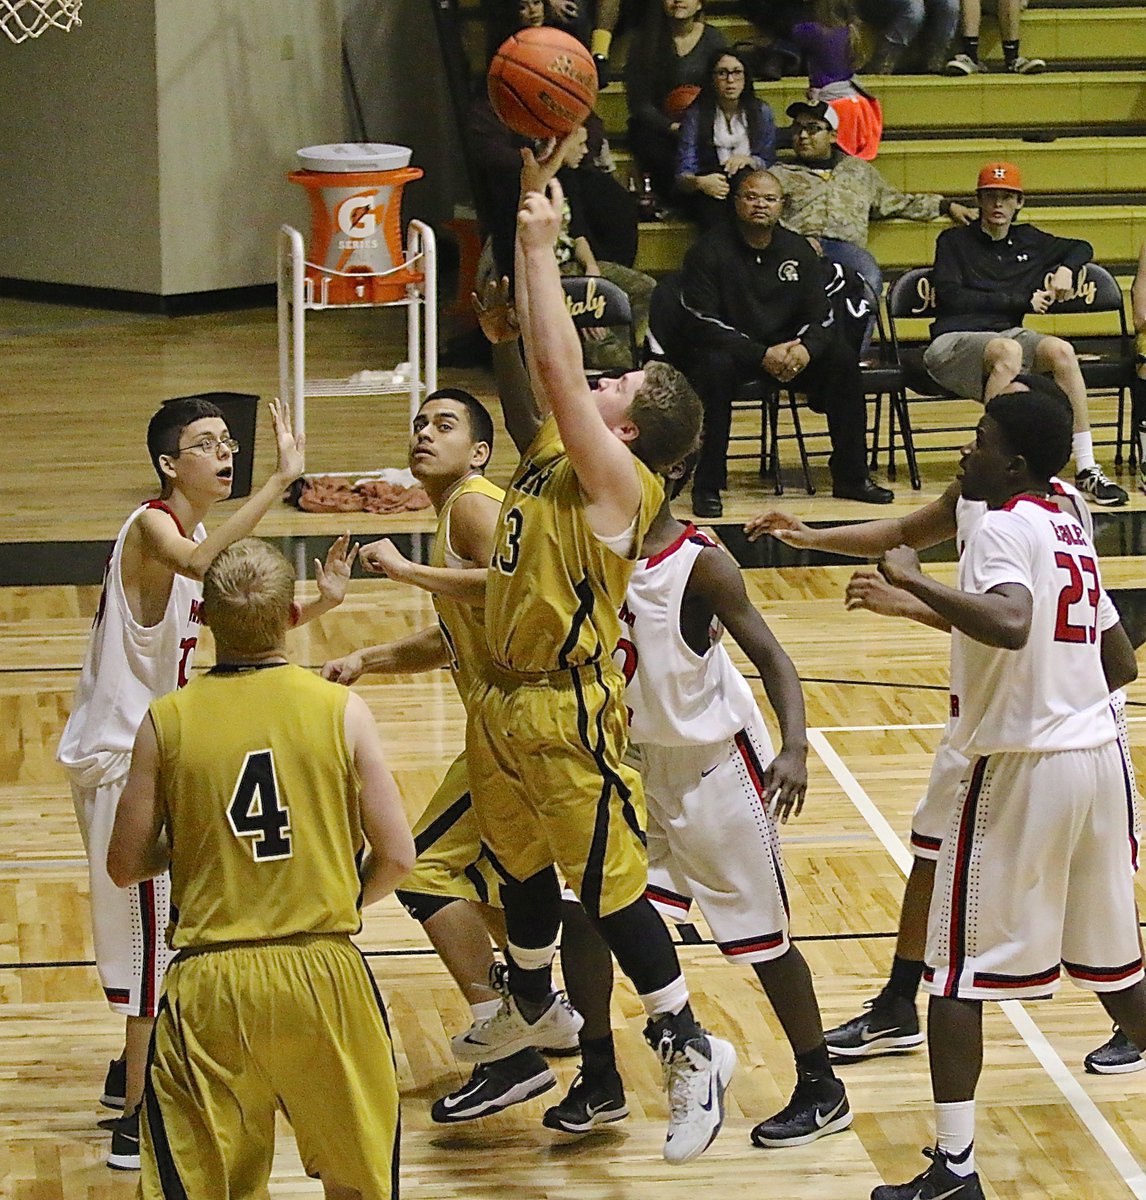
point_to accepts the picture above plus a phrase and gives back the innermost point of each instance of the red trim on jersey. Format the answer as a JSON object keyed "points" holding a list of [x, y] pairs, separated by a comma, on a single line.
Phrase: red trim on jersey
{"points": [[997, 982], [924, 842], [1129, 789], [669, 899], [1103, 974], [1040, 501], [689, 530], [117, 995], [752, 945], [963, 848], [162, 506]]}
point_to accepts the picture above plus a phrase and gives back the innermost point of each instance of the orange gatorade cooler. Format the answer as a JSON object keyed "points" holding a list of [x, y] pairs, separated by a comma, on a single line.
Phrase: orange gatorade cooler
{"points": [[356, 254]]}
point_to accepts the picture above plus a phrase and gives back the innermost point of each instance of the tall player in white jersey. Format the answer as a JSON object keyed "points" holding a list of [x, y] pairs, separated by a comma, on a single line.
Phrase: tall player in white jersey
{"points": [[143, 639], [714, 787], [1036, 868], [890, 1022]]}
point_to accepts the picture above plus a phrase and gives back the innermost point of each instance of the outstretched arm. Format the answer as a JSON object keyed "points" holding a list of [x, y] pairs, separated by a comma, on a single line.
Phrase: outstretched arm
{"points": [[425, 650], [926, 526], [717, 583], [332, 577], [603, 464]]}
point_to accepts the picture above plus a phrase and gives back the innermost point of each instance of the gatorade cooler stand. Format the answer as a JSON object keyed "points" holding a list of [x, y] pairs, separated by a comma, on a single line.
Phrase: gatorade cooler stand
{"points": [[357, 259]]}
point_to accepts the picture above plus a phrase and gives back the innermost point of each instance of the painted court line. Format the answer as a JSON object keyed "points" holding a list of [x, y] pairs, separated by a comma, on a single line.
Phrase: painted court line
{"points": [[1073, 1092]]}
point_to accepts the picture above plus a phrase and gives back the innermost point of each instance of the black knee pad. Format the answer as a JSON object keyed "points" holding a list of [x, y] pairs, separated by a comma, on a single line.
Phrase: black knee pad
{"points": [[421, 906]]}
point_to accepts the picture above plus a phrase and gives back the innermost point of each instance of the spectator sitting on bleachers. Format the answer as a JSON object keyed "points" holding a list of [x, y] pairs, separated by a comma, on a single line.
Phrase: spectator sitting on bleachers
{"points": [[672, 49], [967, 61], [830, 42], [754, 297], [987, 277], [1138, 384], [725, 129], [921, 29], [832, 196]]}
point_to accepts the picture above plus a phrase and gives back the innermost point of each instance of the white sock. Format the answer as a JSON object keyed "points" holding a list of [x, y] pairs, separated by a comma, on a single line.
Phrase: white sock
{"points": [[955, 1136], [670, 999], [1082, 447], [530, 958], [484, 1009]]}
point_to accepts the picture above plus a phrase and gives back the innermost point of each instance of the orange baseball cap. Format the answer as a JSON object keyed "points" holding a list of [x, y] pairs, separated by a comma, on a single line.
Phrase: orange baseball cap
{"points": [[1003, 175]]}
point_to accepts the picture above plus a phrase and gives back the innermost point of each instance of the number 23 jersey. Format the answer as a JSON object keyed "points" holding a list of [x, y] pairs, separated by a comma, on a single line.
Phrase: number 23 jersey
{"points": [[260, 800], [1051, 694]]}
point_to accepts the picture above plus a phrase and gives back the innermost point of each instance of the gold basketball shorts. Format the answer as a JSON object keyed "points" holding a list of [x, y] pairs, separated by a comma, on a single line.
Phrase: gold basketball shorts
{"points": [[295, 1025]]}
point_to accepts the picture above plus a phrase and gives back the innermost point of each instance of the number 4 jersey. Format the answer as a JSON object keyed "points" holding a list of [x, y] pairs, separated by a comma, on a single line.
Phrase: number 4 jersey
{"points": [[260, 800], [1051, 694], [127, 666]]}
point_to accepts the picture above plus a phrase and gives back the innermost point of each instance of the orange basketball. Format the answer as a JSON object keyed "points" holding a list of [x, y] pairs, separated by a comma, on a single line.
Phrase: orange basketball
{"points": [[542, 82], [678, 100]]}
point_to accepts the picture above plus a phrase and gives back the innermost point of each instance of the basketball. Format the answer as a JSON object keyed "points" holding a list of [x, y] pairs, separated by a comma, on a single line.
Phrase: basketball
{"points": [[542, 82], [678, 100]]}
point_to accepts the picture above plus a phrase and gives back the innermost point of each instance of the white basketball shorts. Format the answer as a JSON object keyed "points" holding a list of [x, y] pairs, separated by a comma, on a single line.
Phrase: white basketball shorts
{"points": [[129, 925], [711, 840], [1037, 871], [933, 813]]}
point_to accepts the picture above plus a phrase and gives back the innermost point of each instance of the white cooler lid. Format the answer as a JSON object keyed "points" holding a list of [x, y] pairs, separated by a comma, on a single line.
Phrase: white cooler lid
{"points": [[355, 156]]}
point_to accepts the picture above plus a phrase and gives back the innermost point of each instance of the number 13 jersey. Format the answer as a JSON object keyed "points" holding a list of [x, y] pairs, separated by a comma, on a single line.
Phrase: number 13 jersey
{"points": [[260, 800], [1051, 694]]}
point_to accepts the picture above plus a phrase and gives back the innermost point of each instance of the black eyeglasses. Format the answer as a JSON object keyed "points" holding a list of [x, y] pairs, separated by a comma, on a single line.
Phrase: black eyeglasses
{"points": [[728, 73], [809, 128], [210, 445]]}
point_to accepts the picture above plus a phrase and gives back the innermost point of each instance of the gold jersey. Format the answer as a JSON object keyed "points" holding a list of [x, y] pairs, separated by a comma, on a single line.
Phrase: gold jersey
{"points": [[260, 798], [554, 587], [463, 625]]}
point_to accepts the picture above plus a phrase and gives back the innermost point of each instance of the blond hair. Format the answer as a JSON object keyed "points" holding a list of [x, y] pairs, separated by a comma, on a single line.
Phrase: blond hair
{"points": [[247, 593], [667, 413]]}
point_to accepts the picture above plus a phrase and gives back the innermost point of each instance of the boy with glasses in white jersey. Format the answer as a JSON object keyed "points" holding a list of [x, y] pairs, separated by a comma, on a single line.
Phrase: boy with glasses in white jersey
{"points": [[143, 638]]}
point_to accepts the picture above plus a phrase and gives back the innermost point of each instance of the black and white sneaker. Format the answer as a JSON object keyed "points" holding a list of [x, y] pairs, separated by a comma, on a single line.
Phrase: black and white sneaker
{"points": [[697, 1068], [938, 1182], [890, 1025], [507, 1031], [115, 1084], [495, 1086], [1094, 485], [124, 1153], [1119, 1056], [814, 1111], [589, 1103]]}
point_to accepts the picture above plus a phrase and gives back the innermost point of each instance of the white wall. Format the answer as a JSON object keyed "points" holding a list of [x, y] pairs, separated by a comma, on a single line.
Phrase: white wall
{"points": [[79, 152], [242, 84], [147, 149]]}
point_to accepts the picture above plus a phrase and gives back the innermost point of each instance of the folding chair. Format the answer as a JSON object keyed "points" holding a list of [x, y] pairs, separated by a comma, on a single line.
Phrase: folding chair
{"points": [[596, 303]]}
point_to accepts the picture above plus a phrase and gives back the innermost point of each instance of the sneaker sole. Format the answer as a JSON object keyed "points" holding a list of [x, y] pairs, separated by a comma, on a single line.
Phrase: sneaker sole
{"points": [[837, 1126], [602, 1117], [518, 1094], [724, 1071], [898, 1045], [1116, 1069], [123, 1162], [530, 1038]]}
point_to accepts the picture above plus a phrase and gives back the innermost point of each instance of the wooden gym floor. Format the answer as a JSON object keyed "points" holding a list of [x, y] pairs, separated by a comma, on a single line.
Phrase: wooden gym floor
{"points": [[78, 389]]}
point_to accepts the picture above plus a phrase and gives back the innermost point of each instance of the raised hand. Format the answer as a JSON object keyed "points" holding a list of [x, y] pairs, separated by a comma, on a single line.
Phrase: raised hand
{"points": [[782, 527], [495, 312], [539, 217], [333, 576], [291, 456]]}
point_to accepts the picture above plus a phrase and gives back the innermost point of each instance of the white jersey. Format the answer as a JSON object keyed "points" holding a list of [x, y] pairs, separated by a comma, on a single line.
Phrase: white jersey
{"points": [[676, 696], [1051, 694], [968, 513], [127, 666]]}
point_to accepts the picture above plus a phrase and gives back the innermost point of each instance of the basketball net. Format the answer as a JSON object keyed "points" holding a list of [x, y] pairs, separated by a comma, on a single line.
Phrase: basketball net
{"points": [[24, 19]]}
